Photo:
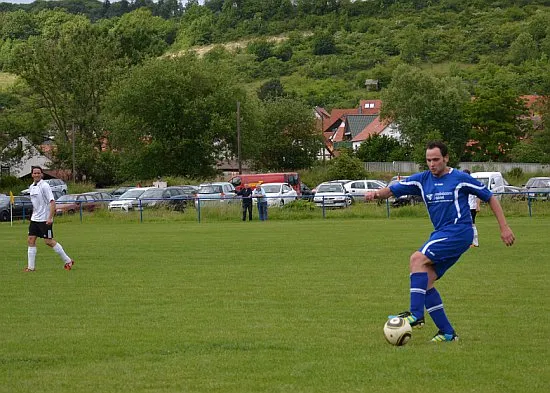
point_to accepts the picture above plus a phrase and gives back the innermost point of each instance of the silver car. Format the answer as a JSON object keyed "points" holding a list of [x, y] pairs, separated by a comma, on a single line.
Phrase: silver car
{"points": [[129, 200], [331, 194], [538, 188], [217, 192]]}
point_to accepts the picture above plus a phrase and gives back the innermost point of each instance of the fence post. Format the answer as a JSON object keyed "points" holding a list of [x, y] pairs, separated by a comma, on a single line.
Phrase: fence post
{"points": [[323, 204], [388, 208], [80, 208], [529, 204], [140, 211], [199, 209]]}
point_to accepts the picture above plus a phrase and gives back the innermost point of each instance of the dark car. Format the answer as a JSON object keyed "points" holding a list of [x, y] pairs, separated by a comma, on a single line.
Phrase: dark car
{"points": [[168, 197], [22, 207]]}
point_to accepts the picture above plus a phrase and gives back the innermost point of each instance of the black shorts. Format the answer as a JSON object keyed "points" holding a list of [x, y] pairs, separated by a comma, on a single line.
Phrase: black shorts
{"points": [[473, 212], [41, 229]]}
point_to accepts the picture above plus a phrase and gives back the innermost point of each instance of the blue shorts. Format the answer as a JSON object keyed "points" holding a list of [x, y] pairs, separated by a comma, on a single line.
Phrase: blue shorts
{"points": [[445, 246]]}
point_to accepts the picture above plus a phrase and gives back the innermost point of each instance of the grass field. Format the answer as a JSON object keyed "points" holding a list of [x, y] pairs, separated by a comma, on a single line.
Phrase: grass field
{"points": [[279, 306]]}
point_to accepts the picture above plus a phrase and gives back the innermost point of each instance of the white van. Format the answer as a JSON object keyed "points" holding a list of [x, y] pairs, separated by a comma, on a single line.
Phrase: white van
{"points": [[493, 180]]}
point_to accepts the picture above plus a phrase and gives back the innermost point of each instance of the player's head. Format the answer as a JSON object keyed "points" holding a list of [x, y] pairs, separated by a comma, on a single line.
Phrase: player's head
{"points": [[467, 171], [437, 157], [36, 173]]}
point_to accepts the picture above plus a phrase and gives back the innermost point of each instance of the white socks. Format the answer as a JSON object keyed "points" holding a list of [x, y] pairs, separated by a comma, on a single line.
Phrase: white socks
{"points": [[58, 249], [31, 254], [476, 241]]}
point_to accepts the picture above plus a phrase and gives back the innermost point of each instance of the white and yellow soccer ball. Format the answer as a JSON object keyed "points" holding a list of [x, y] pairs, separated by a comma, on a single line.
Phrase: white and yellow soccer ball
{"points": [[397, 331]]}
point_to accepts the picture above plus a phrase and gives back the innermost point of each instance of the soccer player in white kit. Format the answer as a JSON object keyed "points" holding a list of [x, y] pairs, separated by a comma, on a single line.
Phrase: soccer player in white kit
{"points": [[41, 225], [445, 192]]}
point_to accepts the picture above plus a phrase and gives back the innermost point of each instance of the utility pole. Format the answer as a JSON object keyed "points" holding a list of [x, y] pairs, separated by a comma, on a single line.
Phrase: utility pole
{"points": [[239, 137], [74, 160]]}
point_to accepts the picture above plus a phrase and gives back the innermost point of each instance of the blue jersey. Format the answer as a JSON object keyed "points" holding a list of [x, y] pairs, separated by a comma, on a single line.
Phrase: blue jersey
{"points": [[446, 197]]}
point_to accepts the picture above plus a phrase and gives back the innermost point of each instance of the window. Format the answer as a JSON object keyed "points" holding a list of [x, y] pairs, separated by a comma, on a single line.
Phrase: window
{"points": [[358, 185]]}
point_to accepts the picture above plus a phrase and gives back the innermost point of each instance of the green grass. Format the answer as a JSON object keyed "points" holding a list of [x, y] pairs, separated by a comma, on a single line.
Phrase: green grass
{"points": [[279, 306]]}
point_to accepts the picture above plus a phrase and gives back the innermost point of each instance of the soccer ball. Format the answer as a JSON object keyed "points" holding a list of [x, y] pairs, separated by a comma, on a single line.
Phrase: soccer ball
{"points": [[397, 331]]}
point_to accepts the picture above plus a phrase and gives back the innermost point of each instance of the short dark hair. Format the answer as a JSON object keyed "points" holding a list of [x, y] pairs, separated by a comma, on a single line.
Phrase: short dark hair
{"points": [[37, 167], [442, 147], [467, 171]]}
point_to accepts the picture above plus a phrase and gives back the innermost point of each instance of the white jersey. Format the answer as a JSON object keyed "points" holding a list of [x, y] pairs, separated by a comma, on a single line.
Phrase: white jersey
{"points": [[41, 195], [472, 201]]}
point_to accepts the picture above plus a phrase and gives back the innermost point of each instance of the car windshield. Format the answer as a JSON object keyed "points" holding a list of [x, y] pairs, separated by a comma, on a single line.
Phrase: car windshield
{"points": [[210, 189], [330, 188], [484, 180], [153, 193], [132, 194], [272, 188], [66, 198], [538, 183]]}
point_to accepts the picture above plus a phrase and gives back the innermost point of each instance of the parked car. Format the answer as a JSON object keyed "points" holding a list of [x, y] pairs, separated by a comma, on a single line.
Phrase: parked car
{"points": [[72, 203], [117, 192], [22, 208], [102, 197], [279, 193], [404, 200], [169, 197], [217, 192], [55, 185], [359, 188], [129, 200], [538, 188], [331, 194]]}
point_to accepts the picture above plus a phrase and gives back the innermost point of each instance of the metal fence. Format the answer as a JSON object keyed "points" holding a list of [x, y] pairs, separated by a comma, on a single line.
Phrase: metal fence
{"points": [[320, 207]]}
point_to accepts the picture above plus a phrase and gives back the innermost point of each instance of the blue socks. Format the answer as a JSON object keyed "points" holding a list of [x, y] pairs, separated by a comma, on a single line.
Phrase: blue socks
{"points": [[434, 306], [419, 283]]}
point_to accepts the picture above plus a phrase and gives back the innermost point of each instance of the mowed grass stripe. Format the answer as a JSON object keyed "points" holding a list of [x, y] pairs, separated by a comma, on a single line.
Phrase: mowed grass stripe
{"points": [[286, 306]]}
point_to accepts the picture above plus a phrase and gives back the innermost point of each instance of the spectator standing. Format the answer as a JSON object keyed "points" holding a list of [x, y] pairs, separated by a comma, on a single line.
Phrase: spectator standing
{"points": [[259, 193], [246, 194]]}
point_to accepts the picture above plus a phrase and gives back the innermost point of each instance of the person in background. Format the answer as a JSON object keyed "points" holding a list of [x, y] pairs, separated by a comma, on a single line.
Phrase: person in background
{"points": [[246, 194], [41, 225], [259, 193], [445, 192], [474, 203]]}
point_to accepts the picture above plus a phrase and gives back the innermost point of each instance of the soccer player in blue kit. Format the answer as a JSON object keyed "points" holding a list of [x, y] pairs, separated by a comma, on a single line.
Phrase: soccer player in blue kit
{"points": [[445, 192]]}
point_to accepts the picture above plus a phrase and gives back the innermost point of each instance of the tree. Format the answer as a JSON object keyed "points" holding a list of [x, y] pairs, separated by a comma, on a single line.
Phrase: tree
{"points": [[382, 148], [70, 71], [323, 44], [142, 35], [288, 139], [271, 89], [345, 166], [421, 103], [523, 48], [498, 120], [177, 116]]}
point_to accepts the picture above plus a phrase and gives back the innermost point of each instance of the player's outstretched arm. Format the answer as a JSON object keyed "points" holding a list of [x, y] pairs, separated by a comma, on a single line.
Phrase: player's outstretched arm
{"points": [[383, 193], [506, 233]]}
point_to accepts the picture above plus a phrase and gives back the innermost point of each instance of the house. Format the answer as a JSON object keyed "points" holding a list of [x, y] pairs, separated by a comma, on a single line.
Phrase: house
{"points": [[31, 157], [350, 127]]}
